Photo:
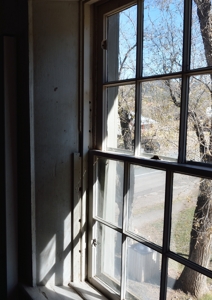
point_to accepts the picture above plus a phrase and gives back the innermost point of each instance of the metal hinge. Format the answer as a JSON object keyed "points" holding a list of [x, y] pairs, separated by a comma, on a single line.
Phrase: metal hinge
{"points": [[104, 44]]}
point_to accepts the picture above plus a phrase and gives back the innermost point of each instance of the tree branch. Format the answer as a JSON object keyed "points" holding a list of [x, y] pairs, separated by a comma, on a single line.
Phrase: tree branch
{"points": [[125, 58]]}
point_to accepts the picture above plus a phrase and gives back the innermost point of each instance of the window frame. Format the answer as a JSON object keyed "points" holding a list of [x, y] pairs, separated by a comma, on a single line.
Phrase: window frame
{"points": [[182, 166]]}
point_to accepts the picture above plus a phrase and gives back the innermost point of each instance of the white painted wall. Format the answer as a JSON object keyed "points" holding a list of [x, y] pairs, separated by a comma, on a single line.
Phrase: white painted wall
{"points": [[55, 30]]}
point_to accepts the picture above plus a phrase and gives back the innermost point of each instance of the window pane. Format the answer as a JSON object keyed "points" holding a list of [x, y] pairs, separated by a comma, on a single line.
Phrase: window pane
{"points": [[121, 44], [191, 219], [201, 34], [163, 37], [108, 256], [143, 272], [199, 131], [146, 203], [160, 118], [110, 177], [120, 118], [184, 282]]}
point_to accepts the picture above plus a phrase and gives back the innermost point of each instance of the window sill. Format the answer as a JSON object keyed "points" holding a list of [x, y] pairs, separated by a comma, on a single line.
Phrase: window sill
{"points": [[50, 293], [86, 291], [75, 291]]}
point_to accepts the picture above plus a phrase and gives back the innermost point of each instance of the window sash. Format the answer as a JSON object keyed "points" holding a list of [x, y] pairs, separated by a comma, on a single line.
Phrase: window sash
{"points": [[102, 83], [182, 166], [170, 169]]}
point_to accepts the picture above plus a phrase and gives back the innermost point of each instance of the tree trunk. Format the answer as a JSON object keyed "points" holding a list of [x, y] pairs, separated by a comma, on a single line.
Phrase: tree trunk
{"points": [[205, 20], [191, 281], [200, 243], [125, 128]]}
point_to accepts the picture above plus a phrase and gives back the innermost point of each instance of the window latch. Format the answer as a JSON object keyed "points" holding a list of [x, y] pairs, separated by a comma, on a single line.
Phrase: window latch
{"points": [[94, 242], [156, 157], [104, 44]]}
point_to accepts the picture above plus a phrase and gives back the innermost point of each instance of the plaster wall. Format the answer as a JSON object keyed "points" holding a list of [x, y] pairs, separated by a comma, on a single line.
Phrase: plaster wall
{"points": [[55, 29]]}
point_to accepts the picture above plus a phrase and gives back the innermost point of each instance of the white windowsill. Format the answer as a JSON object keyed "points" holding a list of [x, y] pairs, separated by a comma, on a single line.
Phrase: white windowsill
{"points": [[75, 291], [86, 291]]}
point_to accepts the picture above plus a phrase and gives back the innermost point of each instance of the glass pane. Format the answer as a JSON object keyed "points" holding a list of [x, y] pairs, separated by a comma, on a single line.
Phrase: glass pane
{"points": [[163, 37], [160, 118], [108, 257], [201, 34], [146, 203], [143, 272], [121, 44], [120, 118], [191, 219], [110, 177], [199, 131], [185, 283]]}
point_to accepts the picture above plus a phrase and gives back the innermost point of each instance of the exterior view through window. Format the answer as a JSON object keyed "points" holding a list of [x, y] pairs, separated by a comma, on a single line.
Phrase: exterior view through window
{"points": [[151, 186]]}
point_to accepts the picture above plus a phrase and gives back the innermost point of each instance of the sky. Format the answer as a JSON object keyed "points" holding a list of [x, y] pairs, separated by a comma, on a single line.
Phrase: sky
{"points": [[163, 38]]}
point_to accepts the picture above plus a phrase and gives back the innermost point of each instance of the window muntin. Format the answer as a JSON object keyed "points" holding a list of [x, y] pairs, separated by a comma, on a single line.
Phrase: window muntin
{"points": [[183, 72]]}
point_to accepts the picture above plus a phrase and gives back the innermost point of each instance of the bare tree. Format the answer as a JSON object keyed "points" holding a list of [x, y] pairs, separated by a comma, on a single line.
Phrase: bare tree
{"points": [[200, 240], [163, 55]]}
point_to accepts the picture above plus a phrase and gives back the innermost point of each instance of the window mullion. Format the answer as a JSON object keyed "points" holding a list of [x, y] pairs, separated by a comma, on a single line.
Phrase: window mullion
{"points": [[166, 233], [183, 120], [187, 34], [185, 80], [92, 223], [139, 61], [139, 64], [137, 144], [104, 117], [124, 226], [123, 266]]}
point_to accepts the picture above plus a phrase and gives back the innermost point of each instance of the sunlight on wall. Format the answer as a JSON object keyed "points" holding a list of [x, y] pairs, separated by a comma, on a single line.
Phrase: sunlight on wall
{"points": [[67, 231], [66, 269], [67, 250], [51, 281], [47, 260]]}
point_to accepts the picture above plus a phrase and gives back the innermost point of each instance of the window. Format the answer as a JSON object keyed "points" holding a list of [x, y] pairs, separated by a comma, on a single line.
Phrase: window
{"points": [[150, 196]]}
